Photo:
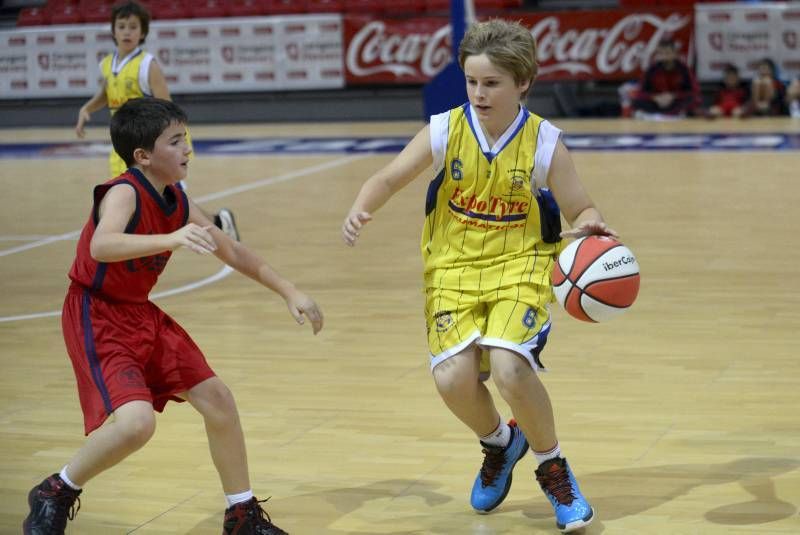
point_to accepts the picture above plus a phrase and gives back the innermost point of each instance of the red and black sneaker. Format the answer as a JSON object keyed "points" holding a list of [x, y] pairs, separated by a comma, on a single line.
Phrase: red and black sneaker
{"points": [[52, 503], [249, 518]]}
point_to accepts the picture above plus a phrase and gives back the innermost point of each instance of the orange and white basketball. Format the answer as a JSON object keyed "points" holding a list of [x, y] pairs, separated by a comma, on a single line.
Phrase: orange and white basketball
{"points": [[596, 278]]}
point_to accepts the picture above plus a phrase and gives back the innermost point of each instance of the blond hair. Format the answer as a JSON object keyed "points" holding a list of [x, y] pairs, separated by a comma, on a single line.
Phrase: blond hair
{"points": [[508, 45]]}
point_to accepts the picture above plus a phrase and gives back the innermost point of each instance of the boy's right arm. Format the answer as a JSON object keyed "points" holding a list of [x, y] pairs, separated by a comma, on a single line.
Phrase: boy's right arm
{"points": [[110, 243], [406, 166], [97, 102]]}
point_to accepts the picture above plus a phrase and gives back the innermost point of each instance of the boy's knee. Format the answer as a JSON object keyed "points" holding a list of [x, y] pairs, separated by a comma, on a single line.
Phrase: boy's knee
{"points": [[509, 372], [138, 428], [217, 403], [451, 381]]}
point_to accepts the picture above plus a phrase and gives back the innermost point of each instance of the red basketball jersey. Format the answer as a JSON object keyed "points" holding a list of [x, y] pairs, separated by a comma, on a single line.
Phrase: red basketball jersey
{"points": [[131, 280]]}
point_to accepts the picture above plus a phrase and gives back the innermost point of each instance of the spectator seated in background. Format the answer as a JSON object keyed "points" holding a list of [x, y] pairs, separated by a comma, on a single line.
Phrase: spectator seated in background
{"points": [[766, 90], [732, 96], [668, 88]]}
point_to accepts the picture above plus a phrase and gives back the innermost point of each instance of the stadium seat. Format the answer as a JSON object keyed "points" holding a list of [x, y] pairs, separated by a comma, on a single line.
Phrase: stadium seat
{"points": [[285, 7], [32, 16], [325, 6], [437, 6], [64, 14], [405, 7], [95, 10], [246, 8], [171, 9], [207, 9], [364, 7]]}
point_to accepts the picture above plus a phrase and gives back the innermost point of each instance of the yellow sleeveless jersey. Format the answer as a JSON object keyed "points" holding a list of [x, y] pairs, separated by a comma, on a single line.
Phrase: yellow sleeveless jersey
{"points": [[489, 223], [126, 78]]}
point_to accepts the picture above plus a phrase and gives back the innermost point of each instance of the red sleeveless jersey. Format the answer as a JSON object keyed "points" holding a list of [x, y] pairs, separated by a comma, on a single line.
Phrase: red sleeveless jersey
{"points": [[130, 280]]}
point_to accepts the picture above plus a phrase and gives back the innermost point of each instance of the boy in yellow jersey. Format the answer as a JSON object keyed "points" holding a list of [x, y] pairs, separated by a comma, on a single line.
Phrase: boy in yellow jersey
{"points": [[491, 235], [129, 73]]}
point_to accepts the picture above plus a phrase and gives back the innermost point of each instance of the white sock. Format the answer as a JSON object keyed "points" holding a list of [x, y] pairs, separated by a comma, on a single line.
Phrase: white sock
{"points": [[233, 499], [66, 479], [501, 436], [543, 456]]}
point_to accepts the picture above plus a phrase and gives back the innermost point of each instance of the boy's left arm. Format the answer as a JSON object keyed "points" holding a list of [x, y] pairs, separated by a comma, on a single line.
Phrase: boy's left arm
{"points": [[573, 201], [244, 260]]}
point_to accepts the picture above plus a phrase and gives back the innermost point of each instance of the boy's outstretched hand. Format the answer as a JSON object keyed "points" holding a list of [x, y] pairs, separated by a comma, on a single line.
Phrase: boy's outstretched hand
{"points": [[194, 237], [353, 223], [299, 305]]}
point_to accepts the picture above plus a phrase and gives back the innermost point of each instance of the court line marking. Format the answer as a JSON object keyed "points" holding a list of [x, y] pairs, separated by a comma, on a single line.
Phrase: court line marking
{"points": [[221, 274], [203, 198]]}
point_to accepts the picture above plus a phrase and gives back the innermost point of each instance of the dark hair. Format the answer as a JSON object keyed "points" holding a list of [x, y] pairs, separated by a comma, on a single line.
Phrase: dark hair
{"points": [[771, 64], [138, 123], [730, 68], [667, 42], [128, 9]]}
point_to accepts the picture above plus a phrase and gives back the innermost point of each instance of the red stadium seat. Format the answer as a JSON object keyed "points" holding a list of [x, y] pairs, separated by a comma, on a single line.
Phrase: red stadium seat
{"points": [[364, 7], [287, 7], [246, 8], [405, 7], [32, 16], [65, 14], [170, 9], [437, 6], [96, 10], [325, 6], [207, 9]]}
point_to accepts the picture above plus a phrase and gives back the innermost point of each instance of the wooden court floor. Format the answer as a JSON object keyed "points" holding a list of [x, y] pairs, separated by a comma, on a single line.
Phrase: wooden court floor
{"points": [[680, 417]]}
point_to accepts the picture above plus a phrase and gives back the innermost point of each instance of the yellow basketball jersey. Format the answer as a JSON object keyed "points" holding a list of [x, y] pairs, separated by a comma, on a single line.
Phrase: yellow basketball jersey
{"points": [[487, 225], [126, 78]]}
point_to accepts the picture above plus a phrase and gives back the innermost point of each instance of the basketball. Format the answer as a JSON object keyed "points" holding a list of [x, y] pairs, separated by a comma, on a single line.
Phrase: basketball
{"points": [[596, 278]]}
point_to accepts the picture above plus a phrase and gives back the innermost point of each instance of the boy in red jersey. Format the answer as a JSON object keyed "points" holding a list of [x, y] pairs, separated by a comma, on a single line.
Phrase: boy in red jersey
{"points": [[129, 357], [668, 88]]}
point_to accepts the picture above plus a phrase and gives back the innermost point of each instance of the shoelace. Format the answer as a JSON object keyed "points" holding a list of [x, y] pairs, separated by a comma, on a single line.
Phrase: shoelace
{"points": [[67, 506], [556, 483], [493, 462], [262, 517]]}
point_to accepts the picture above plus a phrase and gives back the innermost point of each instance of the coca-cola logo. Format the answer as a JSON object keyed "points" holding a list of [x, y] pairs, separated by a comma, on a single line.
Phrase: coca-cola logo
{"points": [[44, 61], [715, 40], [372, 50], [625, 47], [790, 39]]}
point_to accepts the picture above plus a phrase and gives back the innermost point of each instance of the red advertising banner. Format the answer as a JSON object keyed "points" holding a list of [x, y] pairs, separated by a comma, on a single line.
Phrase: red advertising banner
{"points": [[572, 45]]}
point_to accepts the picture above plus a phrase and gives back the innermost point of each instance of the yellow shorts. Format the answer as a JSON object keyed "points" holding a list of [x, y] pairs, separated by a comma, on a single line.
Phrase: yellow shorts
{"points": [[516, 318]]}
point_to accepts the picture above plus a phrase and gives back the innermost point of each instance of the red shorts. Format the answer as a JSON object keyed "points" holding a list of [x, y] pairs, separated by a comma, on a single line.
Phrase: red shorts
{"points": [[126, 351]]}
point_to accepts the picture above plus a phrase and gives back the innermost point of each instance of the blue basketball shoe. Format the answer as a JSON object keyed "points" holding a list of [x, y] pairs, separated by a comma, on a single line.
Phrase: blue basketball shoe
{"points": [[559, 485], [494, 480]]}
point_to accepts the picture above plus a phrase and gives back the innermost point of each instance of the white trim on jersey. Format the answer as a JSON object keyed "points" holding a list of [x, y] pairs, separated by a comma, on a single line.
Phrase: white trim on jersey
{"points": [[439, 129], [502, 140], [545, 148], [144, 74], [117, 64]]}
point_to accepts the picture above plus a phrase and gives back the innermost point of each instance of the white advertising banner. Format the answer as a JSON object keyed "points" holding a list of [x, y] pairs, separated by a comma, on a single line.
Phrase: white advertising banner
{"points": [[201, 56], [744, 34]]}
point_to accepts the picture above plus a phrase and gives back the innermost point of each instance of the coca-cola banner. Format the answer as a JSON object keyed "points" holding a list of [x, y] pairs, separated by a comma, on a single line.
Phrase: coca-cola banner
{"points": [[744, 34], [575, 45], [212, 55]]}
